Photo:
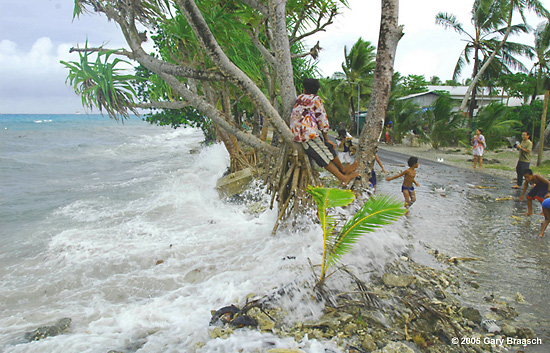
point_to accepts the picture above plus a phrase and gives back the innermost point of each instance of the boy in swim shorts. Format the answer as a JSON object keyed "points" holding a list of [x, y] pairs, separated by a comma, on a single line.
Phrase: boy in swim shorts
{"points": [[538, 192], [408, 180]]}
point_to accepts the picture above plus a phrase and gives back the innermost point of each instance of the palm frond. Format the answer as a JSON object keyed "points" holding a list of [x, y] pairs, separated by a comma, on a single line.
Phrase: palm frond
{"points": [[375, 213]]}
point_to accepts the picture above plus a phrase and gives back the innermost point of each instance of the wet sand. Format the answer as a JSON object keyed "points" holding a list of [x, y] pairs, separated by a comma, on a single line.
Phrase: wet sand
{"points": [[471, 213]]}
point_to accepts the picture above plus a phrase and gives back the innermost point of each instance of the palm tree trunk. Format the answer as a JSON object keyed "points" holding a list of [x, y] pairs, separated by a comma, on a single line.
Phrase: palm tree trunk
{"points": [[474, 91], [543, 123], [390, 34], [488, 62]]}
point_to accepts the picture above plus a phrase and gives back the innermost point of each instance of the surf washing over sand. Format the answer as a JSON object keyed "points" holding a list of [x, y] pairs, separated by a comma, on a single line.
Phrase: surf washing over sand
{"points": [[120, 228]]}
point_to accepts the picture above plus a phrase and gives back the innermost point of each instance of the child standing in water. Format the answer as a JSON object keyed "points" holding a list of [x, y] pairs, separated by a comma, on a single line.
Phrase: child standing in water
{"points": [[408, 179]]}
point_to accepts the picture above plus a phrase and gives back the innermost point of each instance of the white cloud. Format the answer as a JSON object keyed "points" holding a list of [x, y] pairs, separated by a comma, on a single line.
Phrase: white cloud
{"points": [[33, 81], [34, 73], [426, 48]]}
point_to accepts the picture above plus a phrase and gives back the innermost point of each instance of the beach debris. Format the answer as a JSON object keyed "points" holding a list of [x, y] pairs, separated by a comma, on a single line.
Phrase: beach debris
{"points": [[234, 183], [519, 298], [409, 308], [455, 259], [503, 198], [490, 326], [244, 320], [485, 187], [440, 160], [58, 328], [472, 314], [392, 280], [224, 315], [285, 350]]}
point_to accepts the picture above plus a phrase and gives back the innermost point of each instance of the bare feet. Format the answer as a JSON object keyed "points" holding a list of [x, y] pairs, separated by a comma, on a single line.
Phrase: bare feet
{"points": [[350, 167], [348, 177], [527, 214], [516, 187]]}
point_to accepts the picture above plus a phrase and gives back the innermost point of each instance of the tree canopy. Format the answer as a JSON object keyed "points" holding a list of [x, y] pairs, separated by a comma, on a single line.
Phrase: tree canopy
{"points": [[214, 57]]}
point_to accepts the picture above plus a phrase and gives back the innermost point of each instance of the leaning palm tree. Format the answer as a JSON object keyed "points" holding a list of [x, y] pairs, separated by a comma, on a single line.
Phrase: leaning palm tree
{"points": [[506, 9], [485, 43], [541, 69]]}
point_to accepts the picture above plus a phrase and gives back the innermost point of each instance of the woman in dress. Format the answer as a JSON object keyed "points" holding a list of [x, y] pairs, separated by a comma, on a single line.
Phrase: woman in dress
{"points": [[479, 148]]}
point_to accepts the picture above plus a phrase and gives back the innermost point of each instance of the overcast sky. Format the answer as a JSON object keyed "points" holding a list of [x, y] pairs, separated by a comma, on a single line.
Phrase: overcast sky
{"points": [[36, 34]]}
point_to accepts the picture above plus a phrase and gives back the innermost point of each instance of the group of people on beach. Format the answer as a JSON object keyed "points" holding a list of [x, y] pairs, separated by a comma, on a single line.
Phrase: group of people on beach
{"points": [[539, 191], [310, 126], [540, 184]]}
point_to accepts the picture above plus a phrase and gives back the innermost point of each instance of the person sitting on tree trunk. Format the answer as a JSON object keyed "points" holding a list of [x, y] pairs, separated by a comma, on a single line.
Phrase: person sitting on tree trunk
{"points": [[309, 124]]}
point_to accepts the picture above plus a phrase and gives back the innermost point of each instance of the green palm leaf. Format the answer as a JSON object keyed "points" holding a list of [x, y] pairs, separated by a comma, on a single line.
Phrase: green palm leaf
{"points": [[326, 198], [375, 213]]}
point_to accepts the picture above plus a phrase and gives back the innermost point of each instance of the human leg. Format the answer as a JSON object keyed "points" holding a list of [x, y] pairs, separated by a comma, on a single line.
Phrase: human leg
{"points": [[413, 197], [407, 197], [344, 178], [546, 213], [345, 169], [519, 176], [544, 224], [520, 170], [529, 207]]}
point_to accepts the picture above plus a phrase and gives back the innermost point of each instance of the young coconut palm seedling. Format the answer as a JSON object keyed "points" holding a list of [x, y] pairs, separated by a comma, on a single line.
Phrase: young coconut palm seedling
{"points": [[375, 213]]}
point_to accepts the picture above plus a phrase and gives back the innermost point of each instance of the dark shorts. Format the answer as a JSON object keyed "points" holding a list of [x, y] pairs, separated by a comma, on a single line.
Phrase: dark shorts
{"points": [[538, 192], [372, 179], [320, 151], [409, 188]]}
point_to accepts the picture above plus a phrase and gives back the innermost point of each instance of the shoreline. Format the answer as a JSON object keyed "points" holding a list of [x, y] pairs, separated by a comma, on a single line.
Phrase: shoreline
{"points": [[494, 162]]}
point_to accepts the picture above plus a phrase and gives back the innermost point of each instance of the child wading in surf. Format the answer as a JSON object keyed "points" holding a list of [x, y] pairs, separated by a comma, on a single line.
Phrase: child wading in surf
{"points": [[408, 179]]}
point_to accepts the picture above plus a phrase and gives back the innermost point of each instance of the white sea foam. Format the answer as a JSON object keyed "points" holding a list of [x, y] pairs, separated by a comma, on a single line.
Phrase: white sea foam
{"points": [[100, 265]]}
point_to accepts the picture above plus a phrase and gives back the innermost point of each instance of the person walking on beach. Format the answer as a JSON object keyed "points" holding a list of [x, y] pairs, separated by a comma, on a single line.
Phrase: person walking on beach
{"points": [[307, 119], [408, 180], [479, 146], [524, 148], [538, 192]]}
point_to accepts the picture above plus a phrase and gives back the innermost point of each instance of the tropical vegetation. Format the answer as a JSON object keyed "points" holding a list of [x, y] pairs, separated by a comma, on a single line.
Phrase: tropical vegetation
{"points": [[376, 212], [220, 65]]}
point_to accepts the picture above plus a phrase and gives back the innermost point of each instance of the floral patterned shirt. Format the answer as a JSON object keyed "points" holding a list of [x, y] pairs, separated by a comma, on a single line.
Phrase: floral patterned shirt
{"points": [[308, 117]]}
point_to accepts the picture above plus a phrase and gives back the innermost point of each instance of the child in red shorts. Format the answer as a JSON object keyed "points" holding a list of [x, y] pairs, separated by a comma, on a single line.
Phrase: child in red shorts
{"points": [[538, 192]]}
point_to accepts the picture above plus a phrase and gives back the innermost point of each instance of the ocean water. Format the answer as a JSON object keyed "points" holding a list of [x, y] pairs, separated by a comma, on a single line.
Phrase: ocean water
{"points": [[88, 209]]}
